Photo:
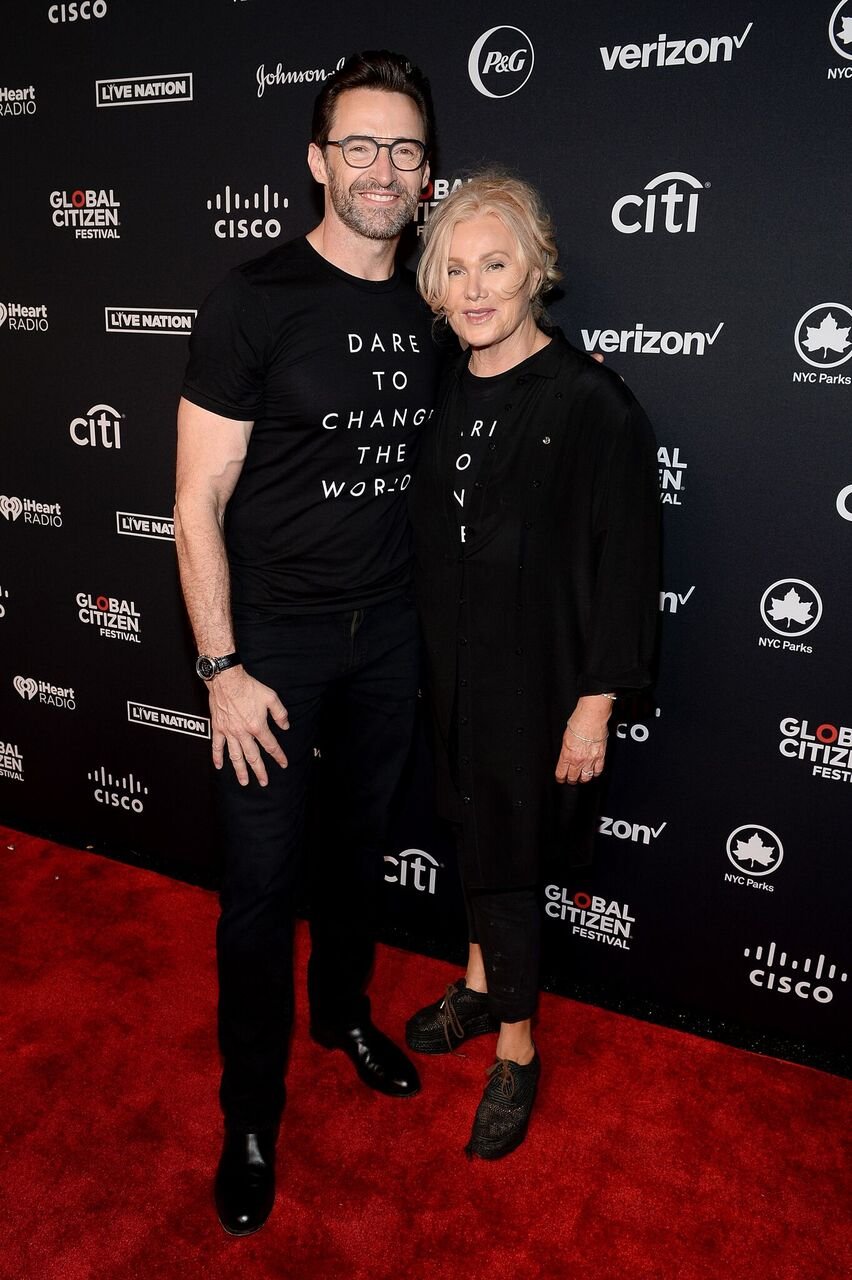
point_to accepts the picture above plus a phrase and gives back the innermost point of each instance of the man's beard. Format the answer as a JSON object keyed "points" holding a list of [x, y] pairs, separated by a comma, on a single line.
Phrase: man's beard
{"points": [[375, 222]]}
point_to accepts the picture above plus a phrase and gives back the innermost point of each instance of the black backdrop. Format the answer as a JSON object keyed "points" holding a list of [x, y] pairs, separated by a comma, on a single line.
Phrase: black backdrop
{"points": [[695, 158]]}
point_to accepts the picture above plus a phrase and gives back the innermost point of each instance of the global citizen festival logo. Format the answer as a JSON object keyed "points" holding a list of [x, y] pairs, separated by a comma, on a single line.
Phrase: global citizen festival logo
{"points": [[433, 193], [809, 981], [840, 36], [828, 749], [679, 208], [756, 850], [117, 793], [822, 340], [664, 52], [11, 762], [92, 214], [650, 342], [241, 228], [100, 426], [501, 62], [23, 319], [17, 102], [44, 513], [590, 917], [790, 607], [413, 869], [115, 619], [671, 470], [52, 695]]}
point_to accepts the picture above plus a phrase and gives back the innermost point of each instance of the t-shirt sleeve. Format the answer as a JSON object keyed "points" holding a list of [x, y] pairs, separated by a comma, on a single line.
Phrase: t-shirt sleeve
{"points": [[227, 351]]}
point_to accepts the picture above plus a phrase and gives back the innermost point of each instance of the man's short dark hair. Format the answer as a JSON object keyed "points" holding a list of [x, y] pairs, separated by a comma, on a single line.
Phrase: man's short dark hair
{"points": [[375, 69]]}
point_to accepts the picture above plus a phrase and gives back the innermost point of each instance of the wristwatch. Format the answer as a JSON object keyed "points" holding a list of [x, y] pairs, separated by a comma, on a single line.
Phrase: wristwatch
{"points": [[207, 667]]}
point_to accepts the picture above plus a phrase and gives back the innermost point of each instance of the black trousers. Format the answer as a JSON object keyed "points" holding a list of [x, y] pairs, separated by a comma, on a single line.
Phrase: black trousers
{"points": [[349, 682]]}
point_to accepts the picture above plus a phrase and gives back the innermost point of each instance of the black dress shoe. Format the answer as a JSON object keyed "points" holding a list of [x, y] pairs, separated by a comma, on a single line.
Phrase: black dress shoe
{"points": [[503, 1114], [460, 1014], [379, 1063], [245, 1181]]}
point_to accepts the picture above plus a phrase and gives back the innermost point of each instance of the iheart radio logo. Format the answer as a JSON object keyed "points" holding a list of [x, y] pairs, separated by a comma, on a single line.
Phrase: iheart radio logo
{"points": [[25, 686], [11, 508]]}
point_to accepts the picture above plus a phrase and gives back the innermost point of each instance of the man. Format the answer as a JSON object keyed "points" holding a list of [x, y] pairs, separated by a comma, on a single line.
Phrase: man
{"points": [[311, 372]]}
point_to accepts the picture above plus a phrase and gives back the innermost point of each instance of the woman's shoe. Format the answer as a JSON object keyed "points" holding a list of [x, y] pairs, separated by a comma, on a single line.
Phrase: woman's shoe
{"points": [[459, 1015], [503, 1113]]}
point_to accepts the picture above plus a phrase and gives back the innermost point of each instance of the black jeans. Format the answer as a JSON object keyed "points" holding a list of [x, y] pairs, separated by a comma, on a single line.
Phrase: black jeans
{"points": [[507, 926], [349, 683]]}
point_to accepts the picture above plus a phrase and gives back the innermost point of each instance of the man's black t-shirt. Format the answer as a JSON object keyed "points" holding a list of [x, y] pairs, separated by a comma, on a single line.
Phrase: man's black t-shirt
{"points": [[338, 375]]}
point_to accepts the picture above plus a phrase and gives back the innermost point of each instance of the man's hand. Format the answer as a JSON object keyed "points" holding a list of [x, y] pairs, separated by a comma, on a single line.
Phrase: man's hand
{"points": [[240, 707]]}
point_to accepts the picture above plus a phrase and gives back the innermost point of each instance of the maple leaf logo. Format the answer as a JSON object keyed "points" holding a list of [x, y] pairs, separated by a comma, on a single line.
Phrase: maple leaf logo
{"points": [[828, 336], [790, 608], [754, 850], [845, 32]]}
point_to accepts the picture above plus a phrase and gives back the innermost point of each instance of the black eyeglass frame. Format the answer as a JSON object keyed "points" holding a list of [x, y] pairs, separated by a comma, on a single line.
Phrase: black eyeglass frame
{"points": [[389, 146]]}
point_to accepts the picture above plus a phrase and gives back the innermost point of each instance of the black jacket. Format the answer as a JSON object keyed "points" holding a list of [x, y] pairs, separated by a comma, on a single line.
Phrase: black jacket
{"points": [[554, 594]]}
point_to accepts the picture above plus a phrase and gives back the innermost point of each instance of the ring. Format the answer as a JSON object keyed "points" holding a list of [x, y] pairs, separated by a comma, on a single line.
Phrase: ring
{"points": [[587, 773]]}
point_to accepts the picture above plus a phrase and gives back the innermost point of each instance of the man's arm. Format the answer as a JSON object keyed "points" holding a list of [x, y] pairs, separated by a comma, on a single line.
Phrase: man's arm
{"points": [[210, 456]]}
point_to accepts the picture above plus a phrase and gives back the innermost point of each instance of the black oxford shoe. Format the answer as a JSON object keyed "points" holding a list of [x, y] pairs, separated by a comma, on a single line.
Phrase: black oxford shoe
{"points": [[379, 1063], [245, 1181]]}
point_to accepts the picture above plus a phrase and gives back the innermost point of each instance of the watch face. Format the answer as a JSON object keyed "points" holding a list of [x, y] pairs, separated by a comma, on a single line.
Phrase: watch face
{"points": [[205, 667]]}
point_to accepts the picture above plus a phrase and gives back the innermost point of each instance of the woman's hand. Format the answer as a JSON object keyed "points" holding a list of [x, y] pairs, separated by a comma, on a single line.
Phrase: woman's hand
{"points": [[584, 740]]}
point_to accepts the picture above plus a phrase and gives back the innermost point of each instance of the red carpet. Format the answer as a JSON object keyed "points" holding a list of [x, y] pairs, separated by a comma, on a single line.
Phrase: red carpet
{"points": [[651, 1153]]}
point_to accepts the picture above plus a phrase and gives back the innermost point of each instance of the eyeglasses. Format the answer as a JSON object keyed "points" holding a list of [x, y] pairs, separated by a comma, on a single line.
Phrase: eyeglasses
{"points": [[360, 153]]}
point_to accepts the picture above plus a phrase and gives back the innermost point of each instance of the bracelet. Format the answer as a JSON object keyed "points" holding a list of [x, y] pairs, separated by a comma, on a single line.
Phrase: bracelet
{"points": [[580, 736]]}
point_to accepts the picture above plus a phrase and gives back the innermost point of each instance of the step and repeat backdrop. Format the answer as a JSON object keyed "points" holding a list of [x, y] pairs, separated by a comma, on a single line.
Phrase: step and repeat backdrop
{"points": [[695, 159]]}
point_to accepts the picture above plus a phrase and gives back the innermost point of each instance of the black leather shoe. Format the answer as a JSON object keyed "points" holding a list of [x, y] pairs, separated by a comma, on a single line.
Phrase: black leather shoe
{"points": [[245, 1181], [379, 1063], [503, 1114]]}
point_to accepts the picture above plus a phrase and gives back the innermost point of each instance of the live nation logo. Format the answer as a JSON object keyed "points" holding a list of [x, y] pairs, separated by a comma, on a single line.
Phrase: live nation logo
{"points": [[114, 619], [165, 718], [756, 850], [11, 762], [827, 748], [501, 62], [33, 511], [414, 869], [117, 791], [51, 695], [591, 918], [808, 978], [135, 525], [790, 608], [821, 339], [143, 91], [149, 320]]}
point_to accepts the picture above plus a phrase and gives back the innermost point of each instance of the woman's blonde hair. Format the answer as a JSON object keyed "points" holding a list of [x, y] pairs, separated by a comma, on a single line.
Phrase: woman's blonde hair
{"points": [[519, 207]]}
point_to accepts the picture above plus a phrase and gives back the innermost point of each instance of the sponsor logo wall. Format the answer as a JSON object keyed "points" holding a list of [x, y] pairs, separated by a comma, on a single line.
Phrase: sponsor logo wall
{"points": [[701, 256]]}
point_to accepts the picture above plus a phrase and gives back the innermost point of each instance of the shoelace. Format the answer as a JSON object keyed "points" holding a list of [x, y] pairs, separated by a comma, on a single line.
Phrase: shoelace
{"points": [[450, 1020], [502, 1070]]}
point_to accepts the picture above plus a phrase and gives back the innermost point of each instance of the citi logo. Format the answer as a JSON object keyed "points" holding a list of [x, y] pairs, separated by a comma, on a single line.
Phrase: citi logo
{"points": [[638, 832], [501, 62], [650, 342], [807, 987], [413, 868], [100, 426], [664, 52], [673, 202]]}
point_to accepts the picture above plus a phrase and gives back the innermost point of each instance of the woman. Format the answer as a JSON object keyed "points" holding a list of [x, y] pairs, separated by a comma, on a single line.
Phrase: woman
{"points": [[535, 513]]}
